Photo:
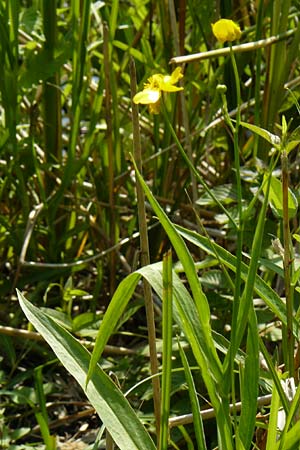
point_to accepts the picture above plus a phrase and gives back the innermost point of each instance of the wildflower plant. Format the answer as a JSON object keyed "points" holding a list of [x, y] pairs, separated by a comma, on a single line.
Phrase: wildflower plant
{"points": [[226, 378], [156, 84]]}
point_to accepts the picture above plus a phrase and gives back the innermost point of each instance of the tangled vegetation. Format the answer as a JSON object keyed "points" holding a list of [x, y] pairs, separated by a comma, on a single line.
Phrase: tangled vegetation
{"points": [[149, 190]]}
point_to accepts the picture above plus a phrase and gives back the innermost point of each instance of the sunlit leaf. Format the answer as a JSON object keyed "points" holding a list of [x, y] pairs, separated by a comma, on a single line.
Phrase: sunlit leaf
{"points": [[273, 139], [276, 199], [109, 402]]}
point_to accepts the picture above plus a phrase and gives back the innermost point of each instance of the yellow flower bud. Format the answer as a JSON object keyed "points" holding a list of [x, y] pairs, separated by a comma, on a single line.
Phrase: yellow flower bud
{"points": [[226, 30]]}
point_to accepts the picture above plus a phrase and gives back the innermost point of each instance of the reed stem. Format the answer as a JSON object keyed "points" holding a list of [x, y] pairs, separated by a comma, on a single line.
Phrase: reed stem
{"points": [[145, 257]]}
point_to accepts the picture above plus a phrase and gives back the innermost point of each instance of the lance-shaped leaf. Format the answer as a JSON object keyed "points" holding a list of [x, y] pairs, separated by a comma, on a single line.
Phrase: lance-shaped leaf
{"points": [[109, 402]]}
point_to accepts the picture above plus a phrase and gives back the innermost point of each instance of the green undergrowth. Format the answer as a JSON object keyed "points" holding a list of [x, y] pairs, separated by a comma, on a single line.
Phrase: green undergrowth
{"points": [[150, 262]]}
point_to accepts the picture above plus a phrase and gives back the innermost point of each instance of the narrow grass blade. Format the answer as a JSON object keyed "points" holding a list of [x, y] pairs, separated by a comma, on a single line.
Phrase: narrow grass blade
{"points": [[294, 407], [42, 415], [110, 404], [51, 92], [50, 441], [272, 428], [197, 419], [249, 387], [191, 274], [186, 316], [167, 349], [275, 377], [111, 317], [292, 438], [247, 296]]}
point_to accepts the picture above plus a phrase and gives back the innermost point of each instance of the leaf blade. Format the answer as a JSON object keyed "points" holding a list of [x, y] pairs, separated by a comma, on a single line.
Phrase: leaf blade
{"points": [[110, 404]]}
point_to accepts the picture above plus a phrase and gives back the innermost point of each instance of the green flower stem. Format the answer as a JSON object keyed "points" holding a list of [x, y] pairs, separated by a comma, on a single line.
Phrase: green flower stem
{"points": [[287, 267], [239, 192], [192, 167], [237, 291]]}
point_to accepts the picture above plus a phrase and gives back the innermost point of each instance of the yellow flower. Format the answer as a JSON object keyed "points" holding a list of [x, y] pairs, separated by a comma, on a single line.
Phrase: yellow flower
{"points": [[226, 30], [155, 85]]}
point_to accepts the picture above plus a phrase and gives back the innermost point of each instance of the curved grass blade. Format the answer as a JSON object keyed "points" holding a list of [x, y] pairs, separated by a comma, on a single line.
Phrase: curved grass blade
{"points": [[268, 295], [197, 419], [186, 315], [112, 315], [191, 274], [109, 402]]}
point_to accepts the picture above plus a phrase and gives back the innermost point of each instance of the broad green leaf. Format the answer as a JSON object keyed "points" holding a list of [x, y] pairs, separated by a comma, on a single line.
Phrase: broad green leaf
{"points": [[296, 237], [109, 402], [225, 193], [212, 365], [273, 139], [293, 140], [275, 199]]}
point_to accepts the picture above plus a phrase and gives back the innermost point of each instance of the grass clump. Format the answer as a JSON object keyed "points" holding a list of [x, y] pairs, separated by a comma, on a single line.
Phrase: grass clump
{"points": [[149, 225]]}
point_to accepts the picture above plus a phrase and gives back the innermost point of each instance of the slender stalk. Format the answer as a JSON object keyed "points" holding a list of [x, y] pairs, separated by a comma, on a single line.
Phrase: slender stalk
{"points": [[184, 111], [51, 92], [110, 148], [257, 110], [239, 189], [193, 168], [237, 291], [167, 350], [287, 266], [145, 258]]}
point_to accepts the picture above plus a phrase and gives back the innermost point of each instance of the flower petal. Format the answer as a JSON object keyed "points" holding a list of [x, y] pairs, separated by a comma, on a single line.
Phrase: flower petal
{"points": [[147, 96], [176, 75], [168, 87], [226, 30], [168, 81]]}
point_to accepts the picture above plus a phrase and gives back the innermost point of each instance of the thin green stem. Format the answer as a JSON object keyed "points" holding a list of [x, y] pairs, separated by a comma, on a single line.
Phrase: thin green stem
{"points": [[167, 350], [239, 194], [194, 170], [287, 266], [239, 247]]}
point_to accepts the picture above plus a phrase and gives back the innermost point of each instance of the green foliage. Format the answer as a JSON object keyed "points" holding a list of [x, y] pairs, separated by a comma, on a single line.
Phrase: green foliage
{"points": [[219, 169], [111, 406]]}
